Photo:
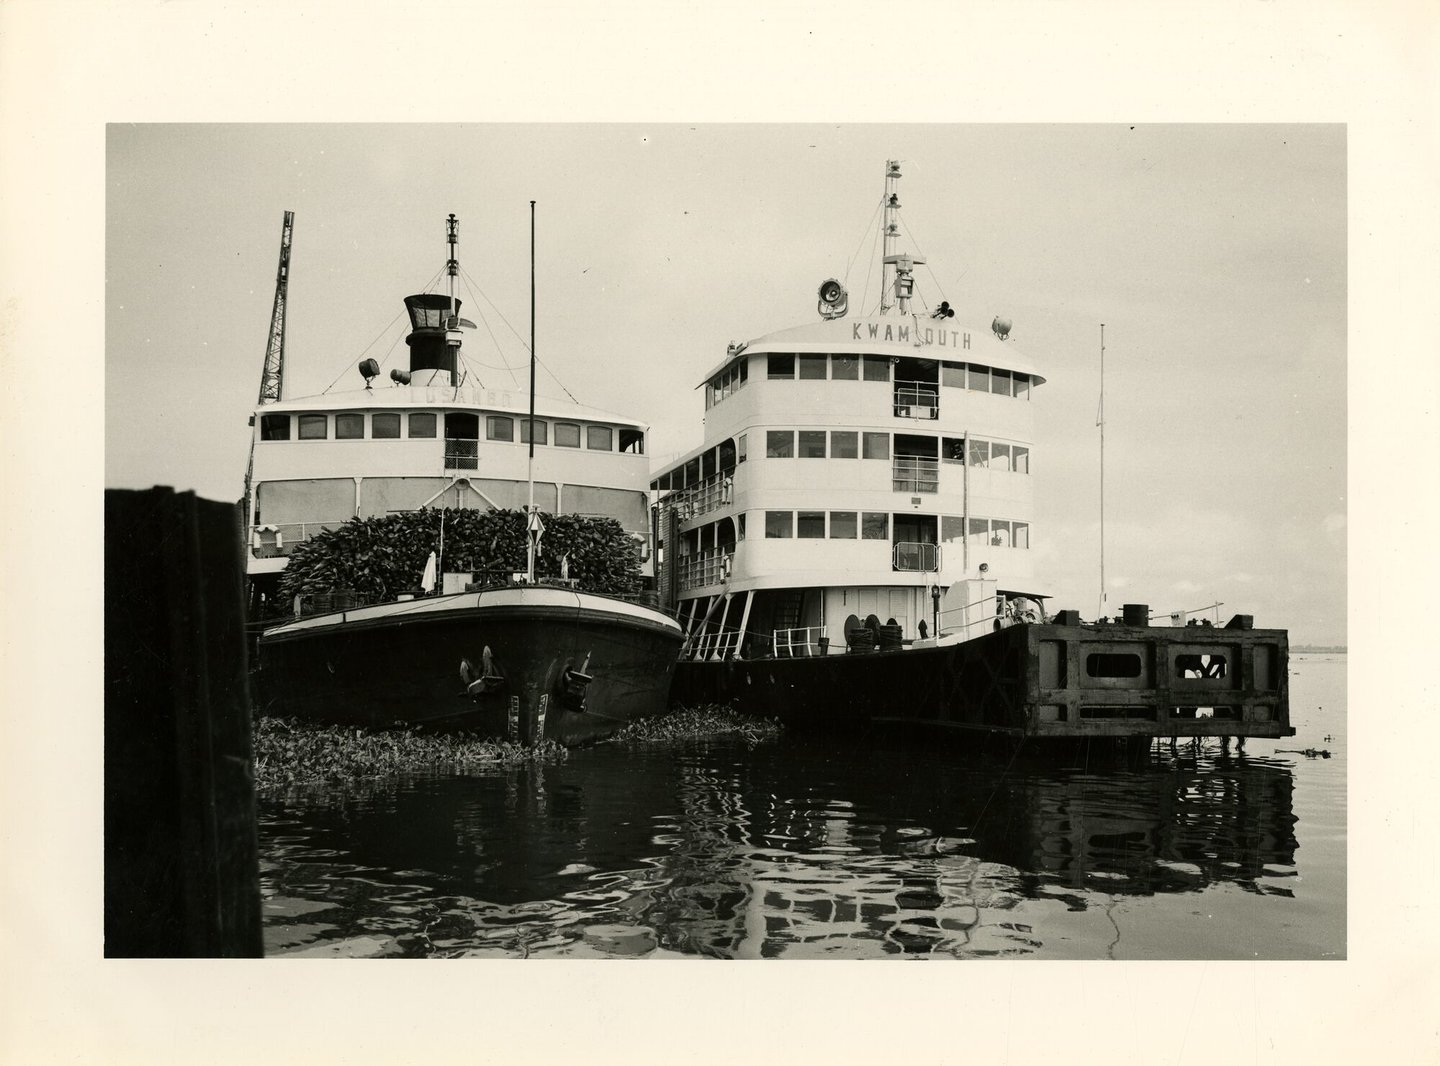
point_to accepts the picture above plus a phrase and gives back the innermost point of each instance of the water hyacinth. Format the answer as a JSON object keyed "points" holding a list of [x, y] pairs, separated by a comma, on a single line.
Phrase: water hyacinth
{"points": [[697, 723], [289, 751]]}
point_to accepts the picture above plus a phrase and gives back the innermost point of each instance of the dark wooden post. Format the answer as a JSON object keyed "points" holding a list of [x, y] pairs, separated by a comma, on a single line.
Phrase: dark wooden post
{"points": [[181, 860]]}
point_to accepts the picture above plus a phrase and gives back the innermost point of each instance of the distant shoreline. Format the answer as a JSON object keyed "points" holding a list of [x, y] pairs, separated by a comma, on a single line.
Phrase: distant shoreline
{"points": [[1316, 649]]}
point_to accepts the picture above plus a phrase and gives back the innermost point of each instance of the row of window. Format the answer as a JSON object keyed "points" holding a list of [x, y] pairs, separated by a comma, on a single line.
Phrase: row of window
{"points": [[787, 366], [852, 444], [387, 425], [875, 525], [726, 382]]}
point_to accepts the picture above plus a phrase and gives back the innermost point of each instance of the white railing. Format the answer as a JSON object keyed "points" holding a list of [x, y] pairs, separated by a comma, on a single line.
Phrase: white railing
{"points": [[274, 540], [917, 399], [800, 643], [704, 568], [715, 492], [913, 556], [915, 474]]}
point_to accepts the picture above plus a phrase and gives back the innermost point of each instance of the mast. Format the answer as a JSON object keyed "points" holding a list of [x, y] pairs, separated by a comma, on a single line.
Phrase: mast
{"points": [[892, 230], [452, 266], [1100, 421], [904, 281], [532, 520]]}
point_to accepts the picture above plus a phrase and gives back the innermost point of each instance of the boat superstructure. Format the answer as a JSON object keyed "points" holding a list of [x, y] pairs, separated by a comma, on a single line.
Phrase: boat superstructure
{"points": [[856, 468], [855, 539], [429, 435]]}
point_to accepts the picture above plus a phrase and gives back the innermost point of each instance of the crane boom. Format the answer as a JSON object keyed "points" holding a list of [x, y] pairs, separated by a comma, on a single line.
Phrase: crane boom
{"points": [[273, 374]]}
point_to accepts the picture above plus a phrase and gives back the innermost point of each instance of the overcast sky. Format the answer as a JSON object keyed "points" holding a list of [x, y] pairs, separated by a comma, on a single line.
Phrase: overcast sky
{"points": [[1214, 254]]}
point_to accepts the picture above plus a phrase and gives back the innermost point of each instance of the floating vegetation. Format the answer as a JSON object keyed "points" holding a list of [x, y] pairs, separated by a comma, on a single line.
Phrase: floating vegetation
{"points": [[290, 751], [696, 723]]}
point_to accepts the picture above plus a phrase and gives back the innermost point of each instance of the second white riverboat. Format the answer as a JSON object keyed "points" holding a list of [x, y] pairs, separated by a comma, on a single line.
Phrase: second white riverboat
{"points": [[853, 541]]}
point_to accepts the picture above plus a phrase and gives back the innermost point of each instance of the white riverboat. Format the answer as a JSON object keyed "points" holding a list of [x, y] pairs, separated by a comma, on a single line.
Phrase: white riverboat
{"points": [[511, 657], [854, 540]]}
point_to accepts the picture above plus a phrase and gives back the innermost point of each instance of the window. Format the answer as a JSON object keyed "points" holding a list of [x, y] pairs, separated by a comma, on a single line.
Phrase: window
{"points": [[314, 427], [542, 431], [349, 427], [422, 424], [740, 448], [567, 435], [877, 446], [812, 525], [385, 425], [1020, 533], [780, 365], [952, 529], [274, 427], [952, 374], [1022, 386], [499, 427], [999, 456], [812, 367], [979, 531], [1020, 459], [1000, 382], [780, 444], [979, 452], [877, 368], [978, 378], [874, 526], [599, 438], [740, 527], [845, 367], [844, 444], [999, 533], [952, 449], [778, 524], [632, 441], [812, 444], [842, 525]]}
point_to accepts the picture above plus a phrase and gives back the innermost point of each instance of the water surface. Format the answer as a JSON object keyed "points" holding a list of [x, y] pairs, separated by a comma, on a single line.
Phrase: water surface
{"points": [[863, 846]]}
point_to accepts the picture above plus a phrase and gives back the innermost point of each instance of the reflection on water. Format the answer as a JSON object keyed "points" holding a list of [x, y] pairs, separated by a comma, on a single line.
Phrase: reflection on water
{"points": [[853, 848]]}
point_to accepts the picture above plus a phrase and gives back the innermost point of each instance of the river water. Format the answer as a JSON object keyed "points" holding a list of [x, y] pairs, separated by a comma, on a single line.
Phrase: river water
{"points": [[864, 846]]}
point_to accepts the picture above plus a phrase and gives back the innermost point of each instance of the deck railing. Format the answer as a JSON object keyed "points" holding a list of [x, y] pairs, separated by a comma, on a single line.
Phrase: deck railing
{"points": [[917, 399], [703, 568], [277, 539], [916, 557], [462, 454], [713, 493], [800, 643], [915, 474]]}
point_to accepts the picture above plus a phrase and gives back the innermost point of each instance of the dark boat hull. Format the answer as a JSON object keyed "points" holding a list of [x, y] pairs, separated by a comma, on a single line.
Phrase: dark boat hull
{"points": [[401, 664], [1027, 681]]}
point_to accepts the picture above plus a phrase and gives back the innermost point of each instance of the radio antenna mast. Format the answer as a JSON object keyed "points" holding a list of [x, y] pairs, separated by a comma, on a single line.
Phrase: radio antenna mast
{"points": [[1100, 421]]}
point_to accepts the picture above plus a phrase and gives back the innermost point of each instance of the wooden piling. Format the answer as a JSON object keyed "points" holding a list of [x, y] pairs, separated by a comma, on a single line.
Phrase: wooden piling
{"points": [[181, 856]]}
